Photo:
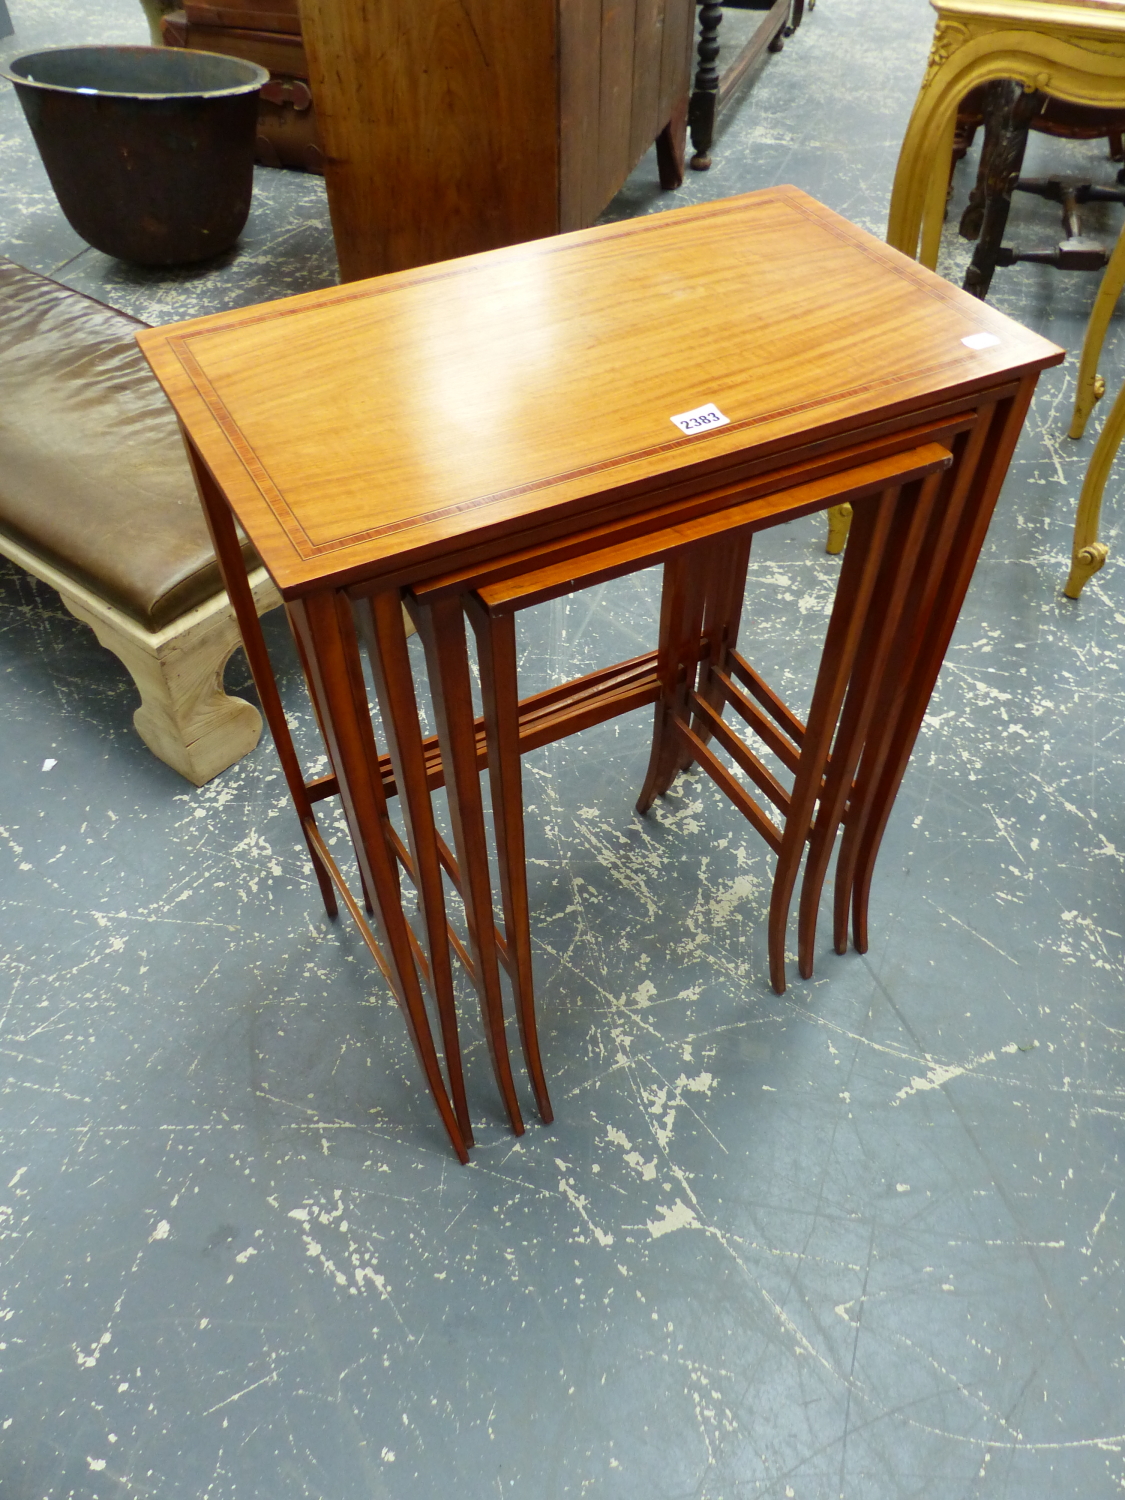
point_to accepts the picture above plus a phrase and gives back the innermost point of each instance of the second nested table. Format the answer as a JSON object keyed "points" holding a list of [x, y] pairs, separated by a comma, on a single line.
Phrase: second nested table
{"points": [[526, 410]]}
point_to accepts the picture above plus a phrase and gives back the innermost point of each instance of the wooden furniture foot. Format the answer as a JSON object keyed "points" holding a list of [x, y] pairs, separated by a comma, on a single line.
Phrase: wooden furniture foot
{"points": [[936, 594], [862, 562], [705, 94], [683, 602], [671, 148], [186, 718]]}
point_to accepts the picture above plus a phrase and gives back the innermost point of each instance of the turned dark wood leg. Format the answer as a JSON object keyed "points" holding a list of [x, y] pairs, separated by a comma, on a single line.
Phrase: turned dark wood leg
{"points": [[705, 96], [1009, 112]]}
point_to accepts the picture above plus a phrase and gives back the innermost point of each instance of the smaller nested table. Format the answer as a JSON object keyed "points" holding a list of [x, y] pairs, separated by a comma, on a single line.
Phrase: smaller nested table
{"points": [[466, 435]]}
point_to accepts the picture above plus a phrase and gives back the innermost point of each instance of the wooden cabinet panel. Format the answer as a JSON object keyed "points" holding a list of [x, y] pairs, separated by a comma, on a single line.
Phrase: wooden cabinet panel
{"points": [[454, 128]]}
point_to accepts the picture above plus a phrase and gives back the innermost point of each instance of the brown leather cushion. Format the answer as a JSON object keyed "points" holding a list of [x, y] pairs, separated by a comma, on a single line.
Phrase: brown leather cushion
{"points": [[93, 475]]}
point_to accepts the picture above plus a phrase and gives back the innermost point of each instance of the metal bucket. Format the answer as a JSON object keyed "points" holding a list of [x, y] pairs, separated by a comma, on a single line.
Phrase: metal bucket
{"points": [[150, 150]]}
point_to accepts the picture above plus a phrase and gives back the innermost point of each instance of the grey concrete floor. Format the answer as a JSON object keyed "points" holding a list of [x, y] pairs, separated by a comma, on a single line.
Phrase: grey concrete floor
{"points": [[864, 1240]]}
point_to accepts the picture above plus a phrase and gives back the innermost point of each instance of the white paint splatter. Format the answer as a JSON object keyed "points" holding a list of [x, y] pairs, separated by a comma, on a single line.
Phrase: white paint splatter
{"points": [[940, 1073], [679, 1216]]}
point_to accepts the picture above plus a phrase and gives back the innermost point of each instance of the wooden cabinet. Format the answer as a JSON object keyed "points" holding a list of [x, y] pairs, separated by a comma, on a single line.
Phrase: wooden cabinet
{"points": [[455, 126]]}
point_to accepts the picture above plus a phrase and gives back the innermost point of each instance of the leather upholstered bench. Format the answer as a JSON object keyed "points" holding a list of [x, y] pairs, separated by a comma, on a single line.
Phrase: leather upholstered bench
{"points": [[97, 500]]}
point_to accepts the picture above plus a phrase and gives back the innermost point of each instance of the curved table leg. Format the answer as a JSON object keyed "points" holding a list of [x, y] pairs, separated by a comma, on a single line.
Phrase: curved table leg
{"points": [[913, 508], [937, 193], [1091, 386], [922, 174], [862, 563], [497, 658], [442, 629], [1089, 554]]}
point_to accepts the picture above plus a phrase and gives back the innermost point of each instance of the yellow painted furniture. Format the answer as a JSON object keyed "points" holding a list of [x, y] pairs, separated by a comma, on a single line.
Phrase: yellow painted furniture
{"points": [[1089, 554], [1071, 49]]}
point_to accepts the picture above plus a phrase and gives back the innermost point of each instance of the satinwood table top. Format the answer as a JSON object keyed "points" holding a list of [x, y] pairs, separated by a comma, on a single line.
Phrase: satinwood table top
{"points": [[384, 429]]}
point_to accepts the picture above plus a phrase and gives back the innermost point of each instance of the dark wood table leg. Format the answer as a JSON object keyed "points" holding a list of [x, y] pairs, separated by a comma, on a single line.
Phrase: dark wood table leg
{"points": [[442, 628], [326, 628], [705, 94], [1007, 120], [712, 88]]}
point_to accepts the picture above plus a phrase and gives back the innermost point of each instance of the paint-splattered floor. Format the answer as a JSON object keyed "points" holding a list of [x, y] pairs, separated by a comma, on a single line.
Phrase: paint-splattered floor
{"points": [[864, 1240]]}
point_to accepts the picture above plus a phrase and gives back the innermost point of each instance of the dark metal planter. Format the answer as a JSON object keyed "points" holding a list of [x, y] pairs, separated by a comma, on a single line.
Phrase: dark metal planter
{"points": [[150, 150]]}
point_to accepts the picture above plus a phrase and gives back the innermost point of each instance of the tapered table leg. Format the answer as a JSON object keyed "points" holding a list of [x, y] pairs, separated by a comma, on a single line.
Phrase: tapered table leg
{"points": [[938, 612], [920, 600], [442, 628], [722, 615], [496, 652], [232, 567], [912, 514], [326, 629], [863, 559], [394, 688], [683, 602]]}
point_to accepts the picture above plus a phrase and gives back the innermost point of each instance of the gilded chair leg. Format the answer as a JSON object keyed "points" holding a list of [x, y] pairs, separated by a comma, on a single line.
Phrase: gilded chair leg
{"points": [[1091, 389], [937, 195], [839, 524], [1083, 565], [1091, 386], [921, 181], [1089, 554]]}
